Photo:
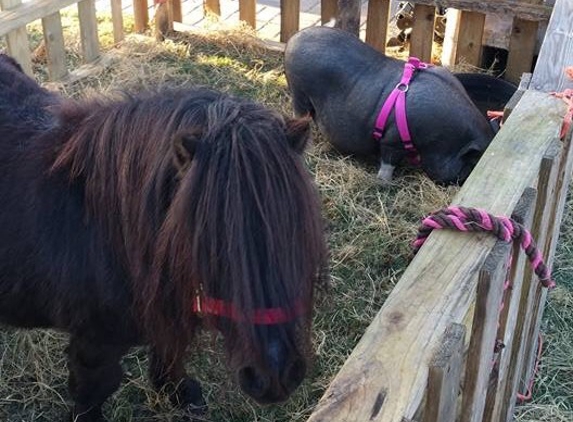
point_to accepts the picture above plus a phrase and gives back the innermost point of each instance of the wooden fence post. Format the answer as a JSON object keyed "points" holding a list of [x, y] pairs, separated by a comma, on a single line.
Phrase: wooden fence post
{"points": [[213, 6], [117, 19], [140, 15], [88, 29], [17, 40], [444, 377], [290, 14], [248, 12], [328, 10], [55, 48], [377, 24], [422, 36]]}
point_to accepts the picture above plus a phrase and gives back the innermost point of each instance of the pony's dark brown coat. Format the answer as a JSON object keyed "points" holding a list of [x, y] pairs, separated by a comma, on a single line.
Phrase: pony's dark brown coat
{"points": [[118, 212]]}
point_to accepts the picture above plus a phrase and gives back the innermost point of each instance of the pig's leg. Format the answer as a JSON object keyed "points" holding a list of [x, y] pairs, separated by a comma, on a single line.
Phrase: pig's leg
{"points": [[385, 172]]}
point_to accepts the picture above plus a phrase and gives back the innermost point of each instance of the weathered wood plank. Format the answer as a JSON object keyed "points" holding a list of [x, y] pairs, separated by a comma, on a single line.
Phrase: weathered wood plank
{"points": [[328, 10], [489, 294], [213, 6], [556, 52], [509, 317], [140, 15], [28, 12], [521, 343], [521, 49], [377, 24], [55, 48], [117, 20], [470, 35], [386, 375], [422, 36], [177, 10], [451, 34], [88, 30], [248, 12], [530, 12], [512, 103], [444, 377], [17, 39], [290, 15]]}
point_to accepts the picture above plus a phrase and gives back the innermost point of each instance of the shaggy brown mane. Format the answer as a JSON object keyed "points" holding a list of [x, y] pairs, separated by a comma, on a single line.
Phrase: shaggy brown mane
{"points": [[222, 222]]}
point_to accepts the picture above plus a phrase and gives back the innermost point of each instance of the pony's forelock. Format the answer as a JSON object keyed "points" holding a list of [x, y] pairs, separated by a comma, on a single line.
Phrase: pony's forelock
{"points": [[241, 222]]}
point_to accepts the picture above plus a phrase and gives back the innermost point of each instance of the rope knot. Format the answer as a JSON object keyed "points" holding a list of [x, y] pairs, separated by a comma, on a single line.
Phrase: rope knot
{"points": [[467, 219]]}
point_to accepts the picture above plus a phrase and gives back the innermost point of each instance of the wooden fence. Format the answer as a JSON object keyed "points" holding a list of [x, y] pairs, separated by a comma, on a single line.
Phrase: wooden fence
{"points": [[15, 15], [413, 362], [466, 31]]}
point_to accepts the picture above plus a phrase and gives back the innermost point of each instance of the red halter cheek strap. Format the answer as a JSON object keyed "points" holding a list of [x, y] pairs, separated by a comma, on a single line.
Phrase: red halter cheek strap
{"points": [[397, 101], [205, 305]]}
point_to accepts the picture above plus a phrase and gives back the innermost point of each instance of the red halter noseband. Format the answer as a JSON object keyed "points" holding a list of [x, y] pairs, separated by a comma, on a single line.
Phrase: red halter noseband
{"points": [[397, 101], [204, 305]]}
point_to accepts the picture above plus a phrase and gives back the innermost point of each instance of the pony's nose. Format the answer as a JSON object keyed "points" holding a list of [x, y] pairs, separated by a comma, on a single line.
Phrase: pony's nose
{"points": [[253, 382]]}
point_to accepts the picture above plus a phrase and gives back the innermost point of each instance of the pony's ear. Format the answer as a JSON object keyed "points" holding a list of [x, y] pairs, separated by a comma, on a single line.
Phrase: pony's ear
{"points": [[184, 146], [298, 133]]}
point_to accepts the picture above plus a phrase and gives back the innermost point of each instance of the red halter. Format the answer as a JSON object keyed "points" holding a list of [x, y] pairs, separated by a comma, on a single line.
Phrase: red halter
{"points": [[204, 305], [397, 101]]}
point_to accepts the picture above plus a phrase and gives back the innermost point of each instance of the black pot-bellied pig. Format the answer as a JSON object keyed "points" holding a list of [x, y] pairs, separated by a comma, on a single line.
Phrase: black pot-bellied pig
{"points": [[343, 84]]}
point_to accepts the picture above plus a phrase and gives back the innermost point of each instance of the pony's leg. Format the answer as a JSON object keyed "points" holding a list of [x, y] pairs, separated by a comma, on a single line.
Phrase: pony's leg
{"points": [[184, 392], [95, 373]]}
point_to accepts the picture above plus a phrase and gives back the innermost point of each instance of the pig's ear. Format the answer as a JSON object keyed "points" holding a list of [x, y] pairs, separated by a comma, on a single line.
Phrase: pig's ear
{"points": [[298, 133]]}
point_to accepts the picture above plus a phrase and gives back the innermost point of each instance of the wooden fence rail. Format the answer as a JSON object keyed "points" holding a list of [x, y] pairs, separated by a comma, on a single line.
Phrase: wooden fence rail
{"points": [[15, 15]]}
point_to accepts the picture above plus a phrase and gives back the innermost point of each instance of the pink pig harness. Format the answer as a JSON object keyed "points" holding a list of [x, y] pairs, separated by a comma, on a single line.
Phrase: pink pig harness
{"points": [[397, 101]]}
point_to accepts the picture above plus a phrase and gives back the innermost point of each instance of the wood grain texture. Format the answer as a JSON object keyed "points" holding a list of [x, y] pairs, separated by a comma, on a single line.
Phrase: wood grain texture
{"points": [[213, 6], [55, 48], [377, 24], [521, 49], [117, 20], [496, 397], [17, 38], [479, 358], [421, 39], [556, 51], [518, 8], [248, 12], [176, 10], [290, 15], [444, 377], [140, 15], [28, 12], [88, 30], [470, 35], [386, 375]]}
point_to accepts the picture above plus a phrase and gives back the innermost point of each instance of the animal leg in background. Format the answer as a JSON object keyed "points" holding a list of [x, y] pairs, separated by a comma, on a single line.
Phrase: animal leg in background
{"points": [[95, 373], [385, 172], [183, 391]]}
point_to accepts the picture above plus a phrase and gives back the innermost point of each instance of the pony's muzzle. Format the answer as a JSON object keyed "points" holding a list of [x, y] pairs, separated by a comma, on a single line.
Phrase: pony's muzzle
{"points": [[268, 385]]}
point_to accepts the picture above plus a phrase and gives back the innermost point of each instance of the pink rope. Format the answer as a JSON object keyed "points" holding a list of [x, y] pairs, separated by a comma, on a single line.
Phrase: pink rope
{"points": [[476, 220]]}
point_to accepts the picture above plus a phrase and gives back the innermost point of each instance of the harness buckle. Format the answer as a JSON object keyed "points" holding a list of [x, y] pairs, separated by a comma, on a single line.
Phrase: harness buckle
{"points": [[402, 87]]}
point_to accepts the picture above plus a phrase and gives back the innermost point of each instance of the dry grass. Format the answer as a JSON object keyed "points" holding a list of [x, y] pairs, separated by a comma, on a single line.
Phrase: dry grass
{"points": [[369, 229]]}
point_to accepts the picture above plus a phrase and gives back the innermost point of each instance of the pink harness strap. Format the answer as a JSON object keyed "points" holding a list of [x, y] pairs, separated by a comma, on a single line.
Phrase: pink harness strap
{"points": [[397, 101]]}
